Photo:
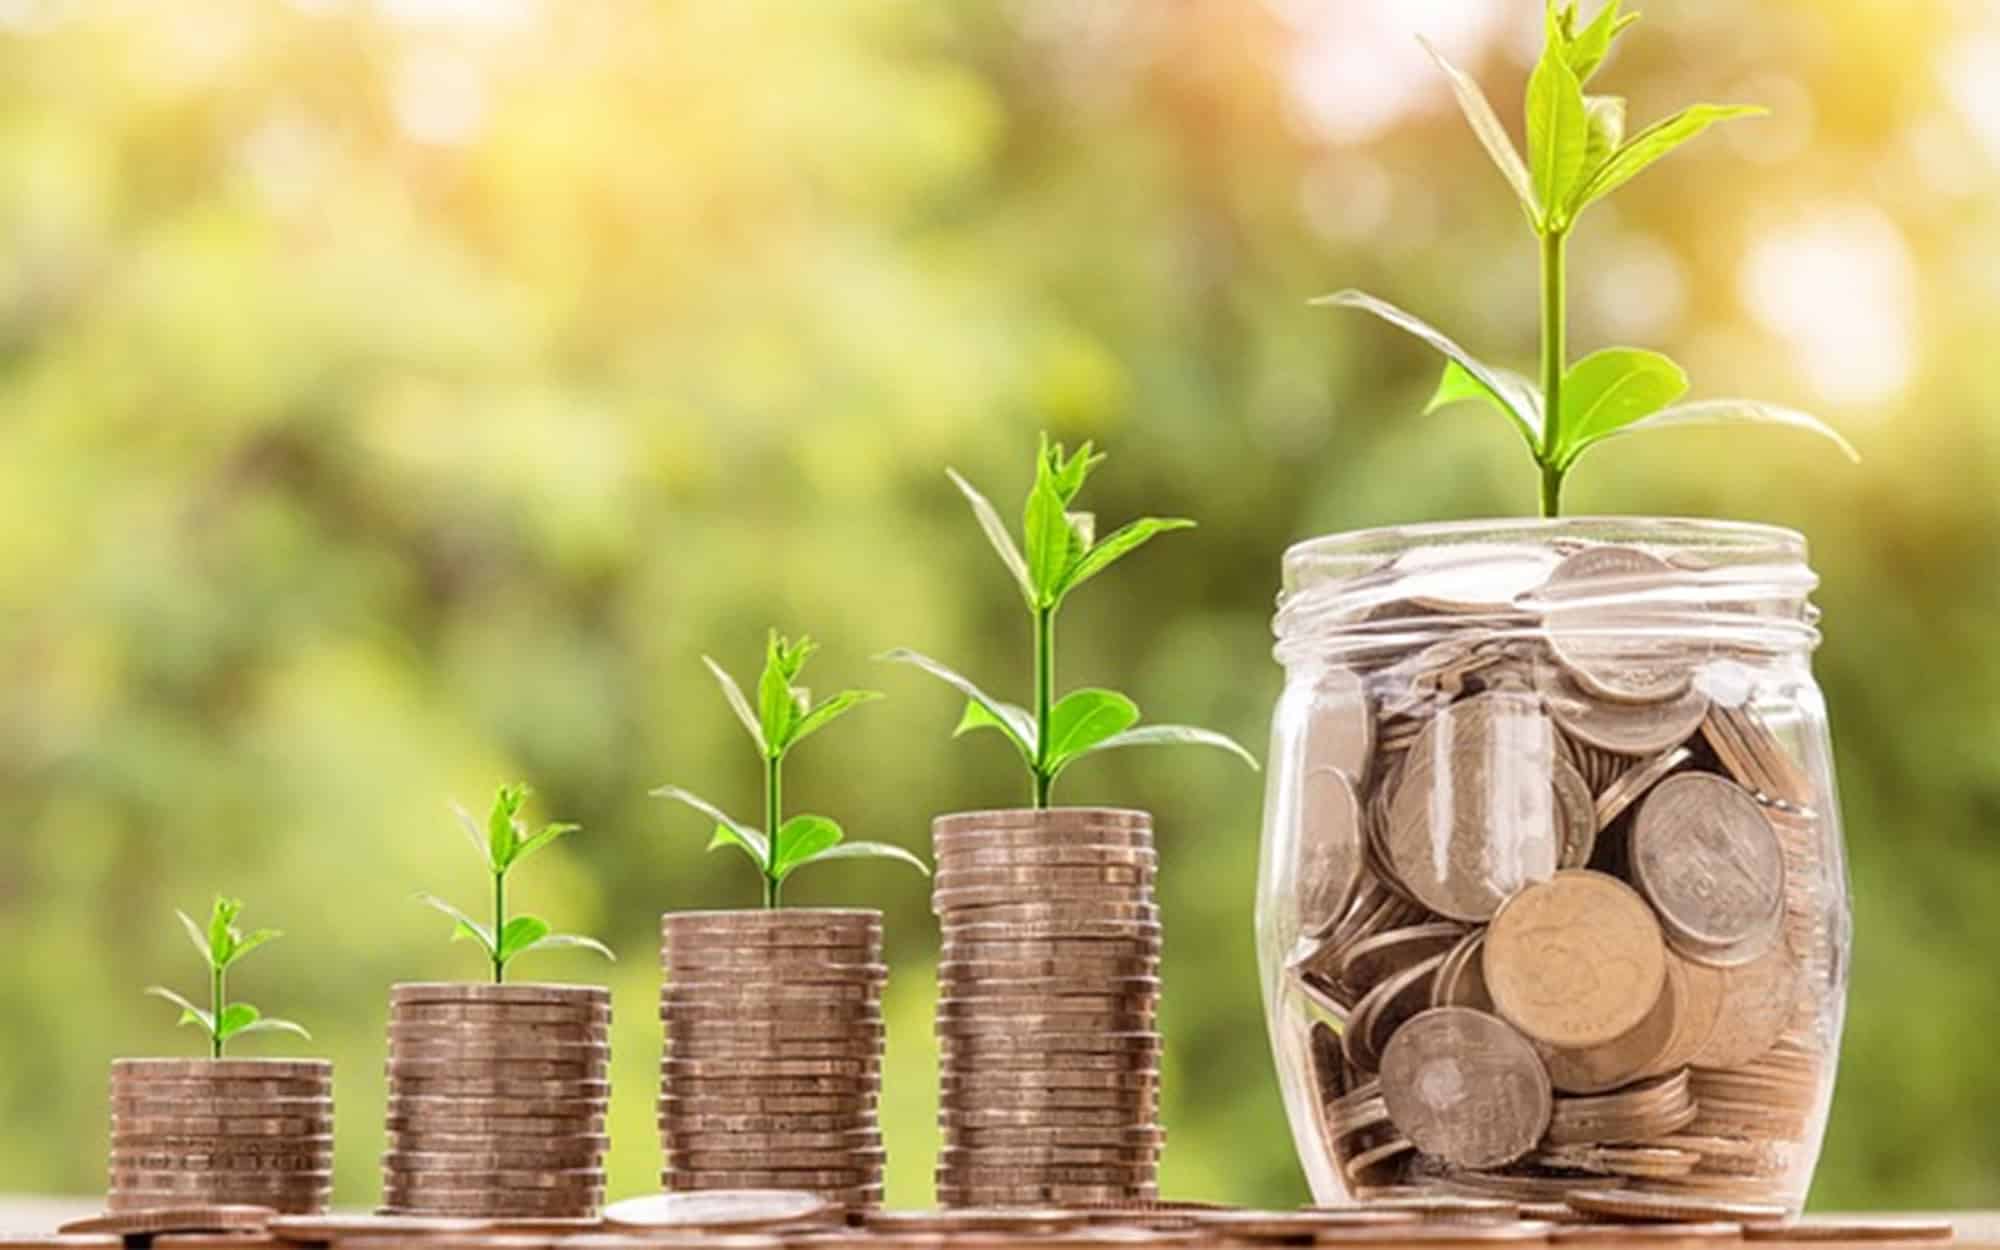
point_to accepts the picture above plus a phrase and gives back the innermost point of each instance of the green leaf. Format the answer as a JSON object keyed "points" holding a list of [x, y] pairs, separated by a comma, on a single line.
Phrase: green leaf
{"points": [[1521, 403], [868, 850], [1649, 145], [271, 1024], [1558, 131], [190, 1014], [466, 926], [977, 716], [801, 838], [1588, 49], [1170, 735], [1606, 115], [571, 941], [1015, 722], [221, 934], [775, 705], [738, 703], [502, 835], [726, 836], [1046, 527], [1119, 543], [1736, 412], [473, 835], [1068, 473], [519, 934], [1083, 718], [548, 833], [1613, 388], [197, 937], [828, 711], [235, 1018], [1492, 135], [996, 534], [1457, 385], [752, 841], [252, 942]]}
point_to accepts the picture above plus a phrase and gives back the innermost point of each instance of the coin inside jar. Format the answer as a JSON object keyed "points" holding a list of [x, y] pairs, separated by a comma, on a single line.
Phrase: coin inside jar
{"points": [[1576, 960], [1329, 855], [1474, 816], [1463, 1086], [1602, 636], [1710, 863]]}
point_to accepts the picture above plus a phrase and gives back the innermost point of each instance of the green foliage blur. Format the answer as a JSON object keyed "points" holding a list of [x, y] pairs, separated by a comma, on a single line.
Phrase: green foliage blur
{"points": [[400, 396]]}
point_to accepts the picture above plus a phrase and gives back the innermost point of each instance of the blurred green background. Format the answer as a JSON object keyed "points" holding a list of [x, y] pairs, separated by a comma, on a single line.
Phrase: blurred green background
{"points": [[399, 396]]}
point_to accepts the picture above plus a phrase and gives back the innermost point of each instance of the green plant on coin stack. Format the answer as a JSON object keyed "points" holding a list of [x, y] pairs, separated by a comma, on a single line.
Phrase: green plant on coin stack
{"points": [[1049, 976], [1551, 895], [217, 1130], [498, 1089], [772, 1065]]}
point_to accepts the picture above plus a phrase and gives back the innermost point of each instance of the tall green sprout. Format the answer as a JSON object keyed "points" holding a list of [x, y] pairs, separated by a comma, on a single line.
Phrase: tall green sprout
{"points": [[220, 946]]}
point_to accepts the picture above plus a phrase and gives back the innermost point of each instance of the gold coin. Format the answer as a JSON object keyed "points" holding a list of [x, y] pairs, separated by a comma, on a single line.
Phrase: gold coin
{"points": [[319, 1070], [1463, 1086], [177, 1218], [1627, 1057], [1095, 914], [1759, 1000], [499, 1015], [495, 1033], [958, 949], [1053, 822], [703, 1103], [510, 994], [1821, 1228], [1654, 1207], [1473, 817], [1576, 960], [502, 1091], [985, 857]]}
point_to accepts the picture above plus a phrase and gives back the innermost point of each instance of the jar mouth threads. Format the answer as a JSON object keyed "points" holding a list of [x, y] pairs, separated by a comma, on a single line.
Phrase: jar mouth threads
{"points": [[1662, 582]]}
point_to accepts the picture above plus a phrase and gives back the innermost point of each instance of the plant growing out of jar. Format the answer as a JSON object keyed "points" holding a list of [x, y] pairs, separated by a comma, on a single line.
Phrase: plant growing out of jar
{"points": [[1578, 154]]}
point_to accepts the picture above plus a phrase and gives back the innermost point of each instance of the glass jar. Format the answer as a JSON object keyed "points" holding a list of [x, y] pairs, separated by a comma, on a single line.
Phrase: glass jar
{"points": [[1552, 894]]}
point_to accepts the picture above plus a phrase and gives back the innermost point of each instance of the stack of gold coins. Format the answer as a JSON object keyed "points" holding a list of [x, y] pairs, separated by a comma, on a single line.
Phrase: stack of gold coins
{"points": [[221, 1131], [497, 1096], [1048, 992], [772, 1066]]}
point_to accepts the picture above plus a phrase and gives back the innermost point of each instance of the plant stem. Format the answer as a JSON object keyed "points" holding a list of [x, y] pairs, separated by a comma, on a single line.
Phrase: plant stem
{"points": [[215, 996], [1045, 690], [773, 821], [1555, 329], [499, 924]]}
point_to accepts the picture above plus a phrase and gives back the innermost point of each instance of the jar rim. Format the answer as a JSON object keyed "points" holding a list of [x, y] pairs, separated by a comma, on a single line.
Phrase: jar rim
{"points": [[1740, 538]]}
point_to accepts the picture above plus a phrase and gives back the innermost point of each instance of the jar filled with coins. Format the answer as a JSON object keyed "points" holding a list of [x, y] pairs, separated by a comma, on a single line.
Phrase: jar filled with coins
{"points": [[1552, 895]]}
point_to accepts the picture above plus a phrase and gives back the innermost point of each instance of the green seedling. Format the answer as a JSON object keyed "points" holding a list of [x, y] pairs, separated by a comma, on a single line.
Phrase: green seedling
{"points": [[1062, 553], [504, 843], [783, 716], [1578, 153], [221, 946]]}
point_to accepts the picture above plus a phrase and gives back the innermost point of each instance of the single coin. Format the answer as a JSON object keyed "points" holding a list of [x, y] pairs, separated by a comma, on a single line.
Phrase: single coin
{"points": [[245, 1127], [1093, 953], [776, 1178], [1129, 900], [864, 952], [63, 1241], [1093, 878], [856, 1052], [965, 1220], [1385, 1009], [976, 1078], [1329, 843], [471, 1070], [142, 1108], [501, 1094], [128, 1159], [769, 1066], [496, 1178], [1576, 960], [1632, 784], [1066, 1195], [489, 1160], [1380, 956], [1631, 1055], [1759, 1001], [1073, 968], [208, 1241], [483, 1033], [222, 1070], [1706, 858], [1653, 1207], [985, 856], [1601, 615], [869, 1139], [208, 1182], [1594, 1233], [963, 1160], [540, 1127], [215, 1143], [492, 1204], [222, 1218], [1576, 814], [511, 993], [1089, 1136], [478, 1052], [847, 1158], [704, 1104], [1641, 729], [498, 1015], [1822, 1228], [1136, 1104], [1049, 821], [323, 1229], [722, 1211], [1473, 817], [1060, 1040], [1471, 579], [1463, 1086], [1067, 914]]}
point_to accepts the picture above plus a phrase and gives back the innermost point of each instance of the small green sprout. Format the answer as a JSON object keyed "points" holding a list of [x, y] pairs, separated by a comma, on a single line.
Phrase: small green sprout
{"points": [[220, 946], [504, 843], [783, 716], [1062, 553], [1578, 154]]}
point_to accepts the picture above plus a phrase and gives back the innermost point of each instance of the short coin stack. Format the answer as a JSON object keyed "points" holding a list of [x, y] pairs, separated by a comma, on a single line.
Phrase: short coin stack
{"points": [[772, 1066], [1049, 991], [221, 1131], [497, 1096]]}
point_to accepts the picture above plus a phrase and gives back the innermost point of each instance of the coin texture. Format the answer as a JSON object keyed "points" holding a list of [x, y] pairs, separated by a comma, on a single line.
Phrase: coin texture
{"points": [[1577, 960], [1466, 1087]]}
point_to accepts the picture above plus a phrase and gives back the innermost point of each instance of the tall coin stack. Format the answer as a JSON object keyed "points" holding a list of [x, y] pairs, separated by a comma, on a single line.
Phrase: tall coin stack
{"points": [[221, 1131], [497, 1096], [771, 1070], [1048, 992]]}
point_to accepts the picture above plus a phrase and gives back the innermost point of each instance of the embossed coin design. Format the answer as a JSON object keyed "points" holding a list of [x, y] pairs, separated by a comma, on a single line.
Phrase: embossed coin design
{"points": [[1464, 1086], [1577, 960]]}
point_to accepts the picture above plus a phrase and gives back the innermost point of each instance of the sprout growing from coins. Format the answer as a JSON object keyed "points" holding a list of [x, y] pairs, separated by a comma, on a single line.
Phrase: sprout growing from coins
{"points": [[784, 716], [504, 843], [220, 946], [1578, 154], [1062, 553]]}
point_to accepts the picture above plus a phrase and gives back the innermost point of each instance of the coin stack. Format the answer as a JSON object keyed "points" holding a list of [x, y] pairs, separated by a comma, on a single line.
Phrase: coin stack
{"points": [[497, 1097], [771, 1072], [221, 1131], [1049, 988], [1567, 903]]}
